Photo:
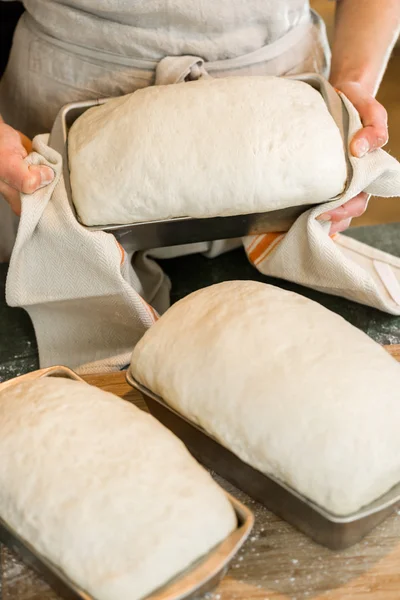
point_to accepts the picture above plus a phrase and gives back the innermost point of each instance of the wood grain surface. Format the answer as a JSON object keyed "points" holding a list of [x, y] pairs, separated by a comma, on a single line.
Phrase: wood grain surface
{"points": [[277, 563]]}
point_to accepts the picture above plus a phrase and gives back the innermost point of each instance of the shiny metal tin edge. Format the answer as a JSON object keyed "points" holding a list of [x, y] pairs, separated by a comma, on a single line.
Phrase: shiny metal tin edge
{"points": [[200, 579], [197, 579], [337, 110], [334, 531]]}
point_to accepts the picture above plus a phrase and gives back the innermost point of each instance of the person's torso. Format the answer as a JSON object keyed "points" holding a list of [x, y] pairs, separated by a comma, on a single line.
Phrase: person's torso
{"points": [[151, 29]]}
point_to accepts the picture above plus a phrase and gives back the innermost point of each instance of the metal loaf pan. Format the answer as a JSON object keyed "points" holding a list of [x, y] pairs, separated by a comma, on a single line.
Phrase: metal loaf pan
{"points": [[185, 230], [197, 580], [323, 527]]}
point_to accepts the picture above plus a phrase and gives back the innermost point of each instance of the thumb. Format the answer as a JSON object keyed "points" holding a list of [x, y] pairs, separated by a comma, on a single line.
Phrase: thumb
{"points": [[36, 177]]}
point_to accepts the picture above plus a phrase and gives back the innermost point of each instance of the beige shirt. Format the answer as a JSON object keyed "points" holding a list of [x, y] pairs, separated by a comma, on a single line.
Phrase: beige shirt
{"points": [[152, 29]]}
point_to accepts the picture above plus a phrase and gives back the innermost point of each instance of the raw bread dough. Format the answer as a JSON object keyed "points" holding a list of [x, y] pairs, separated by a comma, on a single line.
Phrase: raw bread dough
{"points": [[290, 387], [103, 490], [206, 148]]}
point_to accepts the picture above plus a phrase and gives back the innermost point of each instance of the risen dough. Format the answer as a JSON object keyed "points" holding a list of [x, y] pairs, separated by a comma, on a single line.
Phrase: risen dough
{"points": [[103, 490], [206, 148], [290, 387]]}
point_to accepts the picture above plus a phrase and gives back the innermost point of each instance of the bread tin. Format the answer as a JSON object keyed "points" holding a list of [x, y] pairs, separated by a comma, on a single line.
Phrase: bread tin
{"points": [[200, 578], [172, 232], [334, 532]]}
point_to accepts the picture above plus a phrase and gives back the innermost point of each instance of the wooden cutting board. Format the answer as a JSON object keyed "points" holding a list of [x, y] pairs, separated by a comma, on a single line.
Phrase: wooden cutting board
{"points": [[277, 563]]}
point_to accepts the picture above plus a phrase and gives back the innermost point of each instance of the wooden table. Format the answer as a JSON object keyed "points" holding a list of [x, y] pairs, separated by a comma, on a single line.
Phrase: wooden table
{"points": [[277, 563]]}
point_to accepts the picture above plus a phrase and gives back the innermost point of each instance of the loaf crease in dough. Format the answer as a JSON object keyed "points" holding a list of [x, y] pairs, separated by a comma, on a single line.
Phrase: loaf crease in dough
{"points": [[291, 388], [102, 490], [205, 148]]}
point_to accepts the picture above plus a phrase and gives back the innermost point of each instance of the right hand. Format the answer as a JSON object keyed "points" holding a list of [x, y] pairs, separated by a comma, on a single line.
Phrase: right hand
{"points": [[15, 175]]}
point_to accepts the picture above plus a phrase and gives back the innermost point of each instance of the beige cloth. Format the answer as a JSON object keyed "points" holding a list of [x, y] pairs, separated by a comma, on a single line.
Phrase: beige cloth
{"points": [[341, 266], [152, 29], [79, 288]]}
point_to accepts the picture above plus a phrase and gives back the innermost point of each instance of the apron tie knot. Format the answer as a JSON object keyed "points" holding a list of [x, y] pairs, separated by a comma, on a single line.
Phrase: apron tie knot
{"points": [[176, 69]]}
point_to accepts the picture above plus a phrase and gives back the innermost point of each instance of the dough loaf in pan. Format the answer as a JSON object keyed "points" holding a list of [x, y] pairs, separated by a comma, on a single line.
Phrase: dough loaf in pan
{"points": [[102, 490], [215, 147], [291, 388]]}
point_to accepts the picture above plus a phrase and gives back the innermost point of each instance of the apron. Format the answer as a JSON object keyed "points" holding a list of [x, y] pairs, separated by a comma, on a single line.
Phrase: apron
{"points": [[45, 73], [153, 29]]}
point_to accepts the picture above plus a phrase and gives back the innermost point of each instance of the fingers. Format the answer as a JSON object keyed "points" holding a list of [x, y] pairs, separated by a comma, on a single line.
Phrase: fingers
{"points": [[353, 208], [373, 117], [36, 178], [342, 216], [374, 133], [23, 178], [340, 226], [14, 172]]}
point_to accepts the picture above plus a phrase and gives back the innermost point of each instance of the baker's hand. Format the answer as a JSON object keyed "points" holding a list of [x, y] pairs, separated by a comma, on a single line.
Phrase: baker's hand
{"points": [[373, 135], [15, 175]]}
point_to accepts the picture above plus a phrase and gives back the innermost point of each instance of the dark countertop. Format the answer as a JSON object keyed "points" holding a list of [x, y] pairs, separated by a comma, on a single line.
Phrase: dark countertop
{"points": [[18, 349]]}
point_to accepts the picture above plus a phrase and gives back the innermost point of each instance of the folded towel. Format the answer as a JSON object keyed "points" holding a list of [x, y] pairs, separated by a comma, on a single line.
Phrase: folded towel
{"points": [[338, 265], [85, 299]]}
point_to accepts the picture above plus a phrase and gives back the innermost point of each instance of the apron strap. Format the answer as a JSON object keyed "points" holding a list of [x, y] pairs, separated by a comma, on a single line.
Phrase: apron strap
{"points": [[176, 69], [305, 42]]}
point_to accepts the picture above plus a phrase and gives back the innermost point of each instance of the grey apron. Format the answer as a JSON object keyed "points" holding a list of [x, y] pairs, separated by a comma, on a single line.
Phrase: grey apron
{"points": [[44, 73]]}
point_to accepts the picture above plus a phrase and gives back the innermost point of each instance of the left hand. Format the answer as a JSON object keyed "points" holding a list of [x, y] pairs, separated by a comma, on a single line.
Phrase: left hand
{"points": [[373, 135]]}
